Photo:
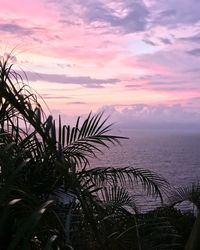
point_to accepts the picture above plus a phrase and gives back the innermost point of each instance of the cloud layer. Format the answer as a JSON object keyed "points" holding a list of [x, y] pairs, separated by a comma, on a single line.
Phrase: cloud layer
{"points": [[142, 116], [64, 79]]}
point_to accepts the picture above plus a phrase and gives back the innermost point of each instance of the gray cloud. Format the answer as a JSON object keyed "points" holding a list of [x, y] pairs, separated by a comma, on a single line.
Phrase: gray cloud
{"points": [[94, 86], [164, 83], [165, 40], [135, 86], [47, 96], [100, 15], [193, 70], [165, 16], [173, 13], [135, 20], [82, 103], [149, 42], [194, 38], [86, 81], [167, 13], [194, 52], [15, 29], [128, 16]]}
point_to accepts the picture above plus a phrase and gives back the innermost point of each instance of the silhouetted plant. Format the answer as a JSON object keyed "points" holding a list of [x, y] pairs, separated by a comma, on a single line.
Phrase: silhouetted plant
{"points": [[50, 198]]}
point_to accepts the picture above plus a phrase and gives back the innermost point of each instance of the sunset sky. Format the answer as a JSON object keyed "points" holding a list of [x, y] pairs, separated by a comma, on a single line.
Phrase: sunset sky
{"points": [[138, 60]]}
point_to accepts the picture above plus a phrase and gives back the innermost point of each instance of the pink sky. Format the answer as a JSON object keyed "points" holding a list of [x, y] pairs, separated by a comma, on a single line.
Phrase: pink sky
{"points": [[135, 57]]}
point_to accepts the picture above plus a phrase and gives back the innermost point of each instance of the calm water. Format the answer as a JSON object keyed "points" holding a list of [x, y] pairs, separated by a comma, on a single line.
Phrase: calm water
{"points": [[174, 155]]}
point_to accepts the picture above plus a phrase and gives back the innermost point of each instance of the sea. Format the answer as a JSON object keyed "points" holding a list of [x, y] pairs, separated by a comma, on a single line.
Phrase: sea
{"points": [[173, 154]]}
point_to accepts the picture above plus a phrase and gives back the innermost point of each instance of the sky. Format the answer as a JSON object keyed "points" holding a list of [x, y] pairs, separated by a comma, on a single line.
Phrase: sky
{"points": [[137, 60]]}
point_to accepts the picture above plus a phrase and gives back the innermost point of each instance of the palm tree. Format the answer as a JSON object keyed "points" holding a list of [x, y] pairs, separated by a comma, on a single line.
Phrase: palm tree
{"points": [[48, 190]]}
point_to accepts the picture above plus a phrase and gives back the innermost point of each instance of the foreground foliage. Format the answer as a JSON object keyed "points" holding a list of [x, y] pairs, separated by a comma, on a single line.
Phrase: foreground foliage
{"points": [[51, 198]]}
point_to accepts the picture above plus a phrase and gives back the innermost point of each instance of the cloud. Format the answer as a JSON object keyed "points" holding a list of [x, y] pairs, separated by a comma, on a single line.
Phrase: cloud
{"points": [[165, 40], [166, 72], [154, 116], [128, 16], [169, 83], [134, 20], [173, 13], [50, 97], [195, 38], [77, 103], [125, 16], [86, 81], [194, 52], [15, 29], [194, 70], [169, 62], [164, 83], [149, 42], [135, 86]]}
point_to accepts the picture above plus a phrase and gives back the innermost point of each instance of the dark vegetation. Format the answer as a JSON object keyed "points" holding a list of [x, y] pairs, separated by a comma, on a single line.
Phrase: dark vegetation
{"points": [[51, 198]]}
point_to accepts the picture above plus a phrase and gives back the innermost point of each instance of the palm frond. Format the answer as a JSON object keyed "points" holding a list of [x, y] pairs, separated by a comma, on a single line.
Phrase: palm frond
{"points": [[115, 198], [189, 193], [152, 183]]}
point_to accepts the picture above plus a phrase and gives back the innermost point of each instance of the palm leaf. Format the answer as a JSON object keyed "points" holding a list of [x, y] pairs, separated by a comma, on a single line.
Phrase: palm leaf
{"points": [[117, 198], [152, 183], [189, 193]]}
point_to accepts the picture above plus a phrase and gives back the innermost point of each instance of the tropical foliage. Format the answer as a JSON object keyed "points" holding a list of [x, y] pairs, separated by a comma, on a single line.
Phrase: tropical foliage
{"points": [[50, 196]]}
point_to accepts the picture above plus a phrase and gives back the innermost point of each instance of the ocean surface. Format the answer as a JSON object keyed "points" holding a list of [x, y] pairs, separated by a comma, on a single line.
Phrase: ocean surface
{"points": [[175, 155]]}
